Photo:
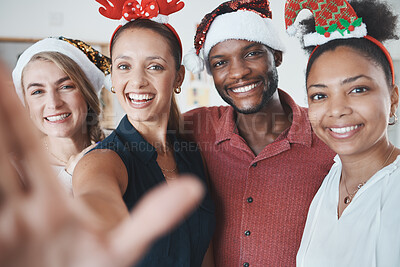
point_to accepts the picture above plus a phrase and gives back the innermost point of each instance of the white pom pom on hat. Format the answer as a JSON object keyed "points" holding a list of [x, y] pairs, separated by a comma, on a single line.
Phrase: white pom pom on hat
{"points": [[193, 62]]}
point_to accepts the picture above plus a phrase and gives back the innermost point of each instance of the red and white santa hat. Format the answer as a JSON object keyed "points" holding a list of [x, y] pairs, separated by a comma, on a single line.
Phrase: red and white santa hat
{"points": [[334, 19], [130, 10], [249, 20]]}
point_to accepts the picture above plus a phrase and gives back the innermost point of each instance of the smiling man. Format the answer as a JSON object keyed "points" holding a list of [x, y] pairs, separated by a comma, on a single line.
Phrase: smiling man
{"points": [[264, 162]]}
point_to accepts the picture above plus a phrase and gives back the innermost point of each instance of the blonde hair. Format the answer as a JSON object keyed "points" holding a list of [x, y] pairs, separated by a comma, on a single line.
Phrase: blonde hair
{"points": [[75, 73]]}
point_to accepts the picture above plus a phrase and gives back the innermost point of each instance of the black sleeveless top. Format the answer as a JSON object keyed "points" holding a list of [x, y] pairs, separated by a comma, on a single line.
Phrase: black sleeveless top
{"points": [[186, 245]]}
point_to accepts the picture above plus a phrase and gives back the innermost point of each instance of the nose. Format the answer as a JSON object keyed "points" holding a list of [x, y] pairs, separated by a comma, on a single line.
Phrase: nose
{"points": [[238, 69], [339, 106], [54, 100], [138, 78]]}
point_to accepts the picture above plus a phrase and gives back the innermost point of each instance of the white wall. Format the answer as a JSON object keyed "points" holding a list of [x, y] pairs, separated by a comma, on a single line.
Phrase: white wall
{"points": [[80, 19]]}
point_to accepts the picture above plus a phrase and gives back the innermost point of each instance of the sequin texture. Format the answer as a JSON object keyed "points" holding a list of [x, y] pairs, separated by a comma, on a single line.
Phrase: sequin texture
{"points": [[101, 61]]}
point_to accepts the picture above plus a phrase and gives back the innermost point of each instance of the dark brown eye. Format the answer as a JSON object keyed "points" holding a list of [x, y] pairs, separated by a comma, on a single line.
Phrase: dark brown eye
{"points": [[359, 90]]}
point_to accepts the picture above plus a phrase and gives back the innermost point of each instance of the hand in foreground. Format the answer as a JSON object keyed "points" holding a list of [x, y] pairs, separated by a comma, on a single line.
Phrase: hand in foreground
{"points": [[41, 226]]}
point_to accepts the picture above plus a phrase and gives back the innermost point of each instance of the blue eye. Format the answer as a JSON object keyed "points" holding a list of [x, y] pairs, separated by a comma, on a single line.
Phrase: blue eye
{"points": [[67, 87], [123, 67], [36, 92]]}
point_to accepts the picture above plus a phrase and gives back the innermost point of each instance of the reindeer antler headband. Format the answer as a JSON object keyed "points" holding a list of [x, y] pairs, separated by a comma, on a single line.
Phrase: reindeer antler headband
{"points": [[130, 10]]}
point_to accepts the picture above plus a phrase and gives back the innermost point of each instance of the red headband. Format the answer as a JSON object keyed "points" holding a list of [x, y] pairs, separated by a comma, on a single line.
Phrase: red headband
{"points": [[385, 51], [377, 43], [168, 26]]}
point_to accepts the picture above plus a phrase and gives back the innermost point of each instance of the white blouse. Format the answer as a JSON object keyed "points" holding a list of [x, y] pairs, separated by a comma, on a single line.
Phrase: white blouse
{"points": [[368, 231], [64, 177]]}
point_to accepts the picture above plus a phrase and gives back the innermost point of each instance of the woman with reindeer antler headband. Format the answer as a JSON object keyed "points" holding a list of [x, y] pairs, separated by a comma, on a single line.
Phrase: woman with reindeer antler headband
{"points": [[354, 219], [41, 226], [146, 149]]}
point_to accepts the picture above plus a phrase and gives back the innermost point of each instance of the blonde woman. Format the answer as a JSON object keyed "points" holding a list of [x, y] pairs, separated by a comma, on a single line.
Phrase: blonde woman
{"points": [[59, 81]]}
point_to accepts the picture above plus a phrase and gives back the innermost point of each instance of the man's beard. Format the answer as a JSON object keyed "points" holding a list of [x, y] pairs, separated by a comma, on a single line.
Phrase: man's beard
{"points": [[266, 97]]}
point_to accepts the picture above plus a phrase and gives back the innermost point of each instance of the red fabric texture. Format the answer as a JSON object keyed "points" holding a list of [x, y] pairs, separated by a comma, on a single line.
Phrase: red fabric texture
{"points": [[282, 180]]}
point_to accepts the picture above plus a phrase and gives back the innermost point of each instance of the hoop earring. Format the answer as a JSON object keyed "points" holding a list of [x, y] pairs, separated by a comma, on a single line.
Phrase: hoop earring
{"points": [[178, 90], [394, 120], [112, 89]]}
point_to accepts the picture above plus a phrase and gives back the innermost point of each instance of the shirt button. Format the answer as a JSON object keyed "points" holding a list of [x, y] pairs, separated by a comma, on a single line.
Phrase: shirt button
{"points": [[247, 233], [250, 200], [254, 164], [246, 264]]}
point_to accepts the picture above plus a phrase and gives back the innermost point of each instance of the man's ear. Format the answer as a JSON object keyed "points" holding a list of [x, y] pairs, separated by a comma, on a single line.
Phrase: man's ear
{"points": [[278, 57]]}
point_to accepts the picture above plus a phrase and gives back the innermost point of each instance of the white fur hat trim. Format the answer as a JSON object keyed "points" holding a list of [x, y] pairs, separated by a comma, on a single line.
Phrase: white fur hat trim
{"points": [[242, 25], [94, 74], [314, 39]]}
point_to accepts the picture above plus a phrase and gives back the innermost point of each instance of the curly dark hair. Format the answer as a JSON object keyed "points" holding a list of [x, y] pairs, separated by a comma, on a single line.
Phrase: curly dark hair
{"points": [[381, 24]]}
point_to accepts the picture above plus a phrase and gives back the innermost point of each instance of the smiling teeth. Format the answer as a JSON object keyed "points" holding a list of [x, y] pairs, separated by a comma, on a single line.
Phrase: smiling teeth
{"points": [[58, 117], [140, 97], [344, 129], [244, 89]]}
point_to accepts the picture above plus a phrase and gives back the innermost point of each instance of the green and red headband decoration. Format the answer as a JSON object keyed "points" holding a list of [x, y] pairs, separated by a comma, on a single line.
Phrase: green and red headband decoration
{"points": [[334, 19], [130, 10]]}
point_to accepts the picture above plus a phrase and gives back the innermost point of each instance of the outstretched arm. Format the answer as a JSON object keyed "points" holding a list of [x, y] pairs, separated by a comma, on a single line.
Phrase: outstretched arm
{"points": [[41, 226]]}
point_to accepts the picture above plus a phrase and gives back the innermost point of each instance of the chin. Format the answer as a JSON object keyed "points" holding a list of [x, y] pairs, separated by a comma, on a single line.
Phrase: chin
{"points": [[63, 133], [345, 149]]}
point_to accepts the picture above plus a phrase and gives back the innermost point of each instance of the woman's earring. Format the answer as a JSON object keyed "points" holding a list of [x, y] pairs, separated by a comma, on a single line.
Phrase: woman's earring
{"points": [[178, 90], [394, 120], [112, 89]]}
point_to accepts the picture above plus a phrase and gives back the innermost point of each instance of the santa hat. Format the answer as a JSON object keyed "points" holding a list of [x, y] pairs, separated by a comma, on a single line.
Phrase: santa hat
{"points": [[92, 62], [334, 19], [130, 10], [249, 20]]}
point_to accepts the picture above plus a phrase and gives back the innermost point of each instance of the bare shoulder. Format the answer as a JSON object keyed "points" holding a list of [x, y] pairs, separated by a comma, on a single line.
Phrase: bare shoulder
{"points": [[100, 167]]}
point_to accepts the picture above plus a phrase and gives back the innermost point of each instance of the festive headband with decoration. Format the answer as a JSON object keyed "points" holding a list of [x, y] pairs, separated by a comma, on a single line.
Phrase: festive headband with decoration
{"points": [[249, 20], [334, 19], [92, 62], [130, 10]]}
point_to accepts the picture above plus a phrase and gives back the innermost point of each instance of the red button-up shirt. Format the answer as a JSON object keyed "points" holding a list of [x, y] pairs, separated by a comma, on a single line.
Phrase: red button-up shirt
{"points": [[261, 200]]}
